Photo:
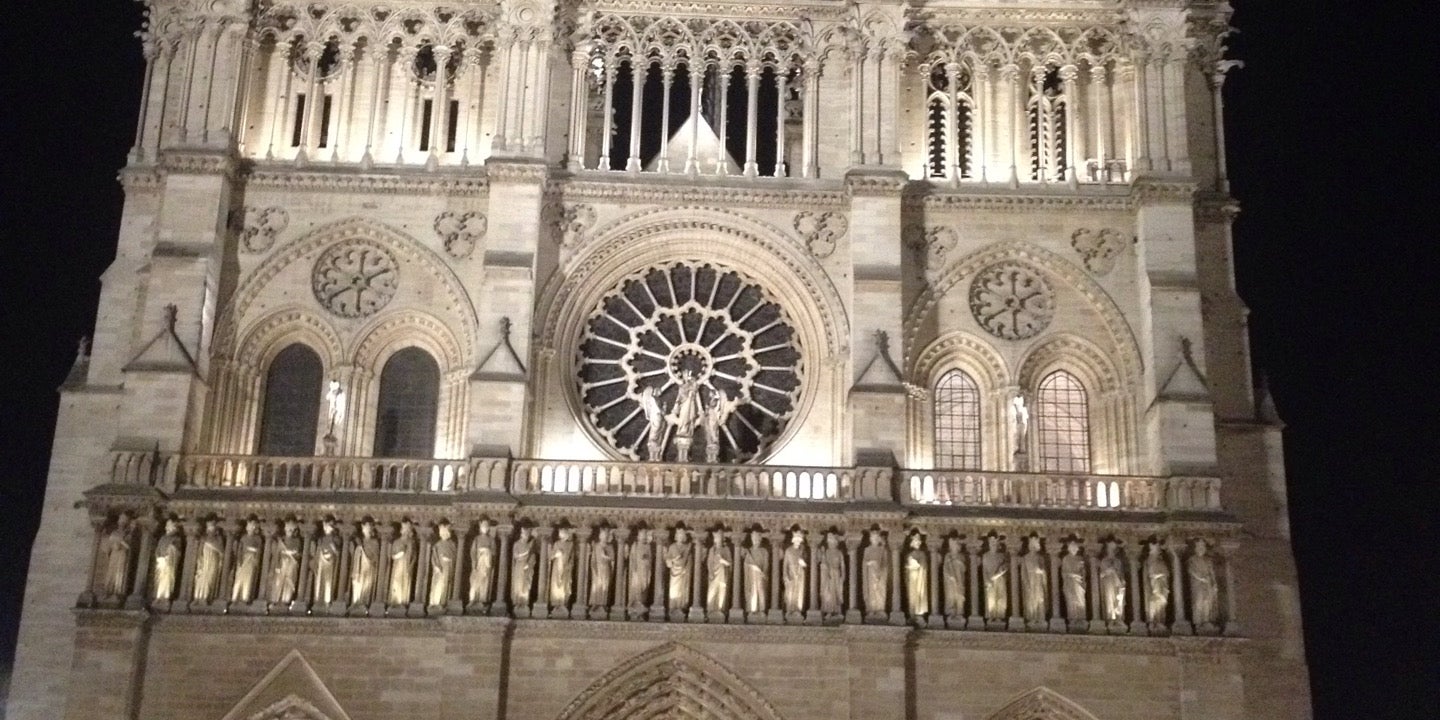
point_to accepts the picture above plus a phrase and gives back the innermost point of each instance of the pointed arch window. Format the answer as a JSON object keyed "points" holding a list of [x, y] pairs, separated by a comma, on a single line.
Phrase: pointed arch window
{"points": [[957, 422], [406, 411], [290, 410], [1062, 424]]}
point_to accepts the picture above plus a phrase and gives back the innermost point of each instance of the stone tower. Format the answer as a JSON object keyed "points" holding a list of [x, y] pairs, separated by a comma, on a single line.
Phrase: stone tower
{"points": [[731, 359]]}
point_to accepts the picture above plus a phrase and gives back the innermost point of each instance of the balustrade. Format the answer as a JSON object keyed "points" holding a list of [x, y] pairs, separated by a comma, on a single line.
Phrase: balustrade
{"points": [[669, 480]]}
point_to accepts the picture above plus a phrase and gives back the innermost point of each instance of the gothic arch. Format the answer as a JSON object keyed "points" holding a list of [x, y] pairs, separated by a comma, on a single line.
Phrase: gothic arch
{"points": [[763, 253], [1114, 439], [1121, 335], [671, 680], [1042, 703], [274, 332], [450, 296], [962, 351]]}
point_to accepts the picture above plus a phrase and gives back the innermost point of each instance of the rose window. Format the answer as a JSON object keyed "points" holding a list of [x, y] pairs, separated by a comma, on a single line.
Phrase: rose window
{"points": [[1011, 301], [690, 362]]}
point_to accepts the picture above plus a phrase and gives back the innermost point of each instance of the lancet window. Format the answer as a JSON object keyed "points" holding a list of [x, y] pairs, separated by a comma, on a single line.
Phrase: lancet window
{"points": [[1062, 424], [1046, 112], [290, 410], [695, 97], [406, 411], [957, 422], [949, 122]]}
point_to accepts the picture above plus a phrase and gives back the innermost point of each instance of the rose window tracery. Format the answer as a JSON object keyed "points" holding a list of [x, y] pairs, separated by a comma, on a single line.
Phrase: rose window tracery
{"points": [[689, 362], [1012, 301], [354, 279]]}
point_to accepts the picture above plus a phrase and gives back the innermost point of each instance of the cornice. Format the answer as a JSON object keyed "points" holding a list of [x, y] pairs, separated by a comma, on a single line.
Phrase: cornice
{"points": [[140, 178], [669, 632], [197, 162], [923, 195], [469, 182], [297, 625], [1056, 642], [818, 10], [1146, 191], [753, 194]]}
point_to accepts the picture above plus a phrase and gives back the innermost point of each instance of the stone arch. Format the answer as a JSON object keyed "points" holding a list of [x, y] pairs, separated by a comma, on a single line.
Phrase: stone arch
{"points": [[1042, 703], [267, 337], [1120, 334], [378, 342], [1114, 438], [977, 358], [654, 236], [450, 296], [670, 680]]}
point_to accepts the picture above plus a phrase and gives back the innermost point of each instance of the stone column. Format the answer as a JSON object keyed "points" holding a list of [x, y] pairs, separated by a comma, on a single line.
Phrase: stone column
{"points": [[777, 560], [140, 583], [813, 542], [659, 599], [737, 577], [637, 85], [852, 582], [1017, 597], [752, 100], [500, 597], [541, 607], [1182, 625], [1137, 613], [897, 598], [1053, 549]]}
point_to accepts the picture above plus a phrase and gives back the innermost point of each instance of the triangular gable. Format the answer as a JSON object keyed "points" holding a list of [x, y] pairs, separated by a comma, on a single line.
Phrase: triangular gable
{"points": [[1042, 703], [165, 352], [290, 691]]}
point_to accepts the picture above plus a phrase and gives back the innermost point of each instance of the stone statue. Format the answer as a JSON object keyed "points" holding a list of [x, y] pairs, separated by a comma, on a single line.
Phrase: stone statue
{"points": [[402, 566], [167, 563], [248, 552], [793, 571], [326, 563], [654, 424], [1157, 585], [1021, 414], [562, 568], [116, 551], [208, 563], [638, 584], [482, 564], [364, 565], [685, 414], [756, 560], [995, 572], [602, 568], [832, 576], [1112, 583], [442, 565], [712, 422], [952, 578], [285, 576], [522, 568], [1072, 581], [677, 563], [876, 575], [917, 577], [1034, 581], [1203, 589], [717, 574]]}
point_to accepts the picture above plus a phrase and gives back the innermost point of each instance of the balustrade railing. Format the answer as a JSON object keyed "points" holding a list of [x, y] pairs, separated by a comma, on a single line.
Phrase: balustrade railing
{"points": [[1080, 492], [670, 480]]}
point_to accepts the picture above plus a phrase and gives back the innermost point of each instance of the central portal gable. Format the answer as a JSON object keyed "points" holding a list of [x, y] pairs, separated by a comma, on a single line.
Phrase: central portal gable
{"points": [[670, 681]]}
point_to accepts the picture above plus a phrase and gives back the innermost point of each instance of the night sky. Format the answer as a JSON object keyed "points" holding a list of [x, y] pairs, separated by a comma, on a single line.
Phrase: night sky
{"points": [[1331, 159]]}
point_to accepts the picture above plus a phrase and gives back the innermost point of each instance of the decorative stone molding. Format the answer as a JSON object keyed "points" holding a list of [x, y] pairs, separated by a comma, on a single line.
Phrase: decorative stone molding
{"points": [[933, 244], [180, 162], [1017, 201], [821, 231], [1012, 300], [355, 278], [738, 196], [1098, 249], [460, 233], [469, 185], [573, 222], [260, 226]]}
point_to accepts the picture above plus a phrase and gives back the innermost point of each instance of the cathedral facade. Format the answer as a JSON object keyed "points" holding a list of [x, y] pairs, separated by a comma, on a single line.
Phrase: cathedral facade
{"points": [[725, 359]]}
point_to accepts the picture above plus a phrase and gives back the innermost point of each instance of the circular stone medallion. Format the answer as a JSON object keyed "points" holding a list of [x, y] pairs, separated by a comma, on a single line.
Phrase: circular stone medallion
{"points": [[355, 278], [1012, 301], [689, 362]]}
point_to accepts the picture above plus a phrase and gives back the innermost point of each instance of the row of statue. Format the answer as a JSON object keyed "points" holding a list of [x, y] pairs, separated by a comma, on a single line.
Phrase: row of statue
{"points": [[374, 568]]}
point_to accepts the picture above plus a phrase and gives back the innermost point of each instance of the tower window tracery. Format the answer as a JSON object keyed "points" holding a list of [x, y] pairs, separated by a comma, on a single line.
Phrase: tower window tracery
{"points": [[949, 120], [1062, 424], [1046, 111]]}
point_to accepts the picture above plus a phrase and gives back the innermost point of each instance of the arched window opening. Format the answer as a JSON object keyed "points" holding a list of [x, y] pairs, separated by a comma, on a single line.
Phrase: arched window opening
{"points": [[1062, 423], [957, 422], [948, 123], [409, 400], [290, 411], [1047, 107]]}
